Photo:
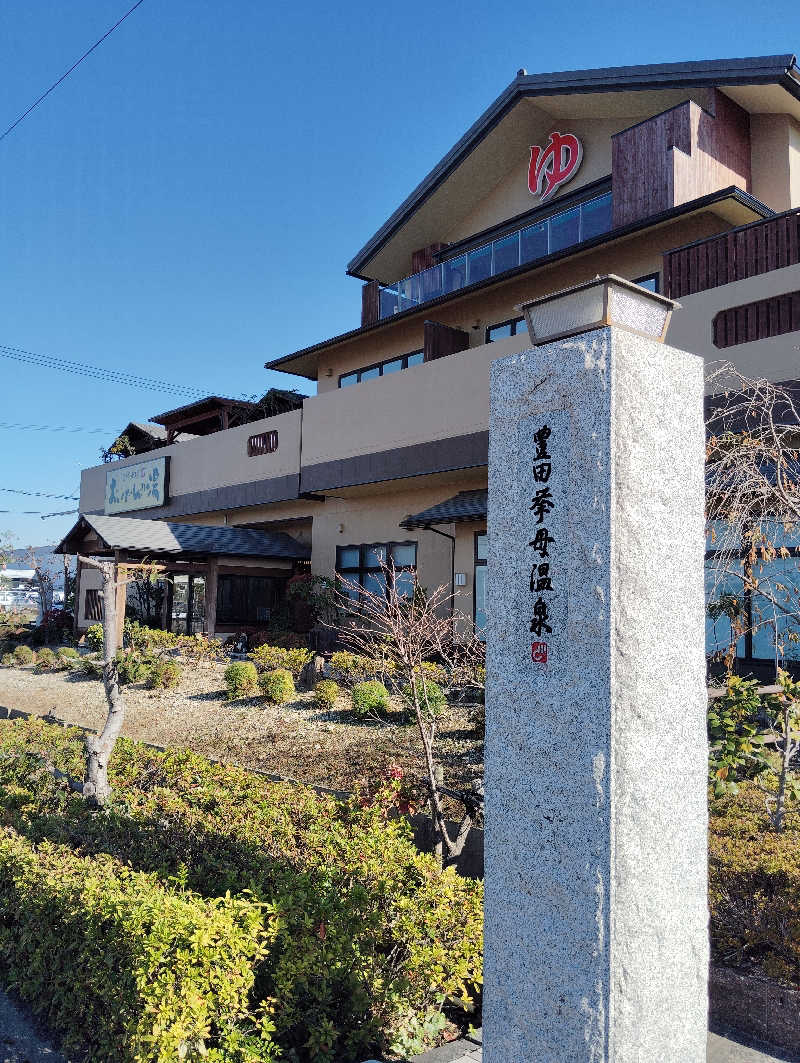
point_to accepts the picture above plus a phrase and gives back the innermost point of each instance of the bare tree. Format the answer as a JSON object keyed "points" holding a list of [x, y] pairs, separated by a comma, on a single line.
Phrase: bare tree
{"points": [[408, 630], [752, 503]]}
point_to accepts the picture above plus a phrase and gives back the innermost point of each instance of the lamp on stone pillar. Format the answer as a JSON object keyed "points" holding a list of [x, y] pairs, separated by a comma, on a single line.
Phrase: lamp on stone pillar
{"points": [[596, 920], [608, 300]]}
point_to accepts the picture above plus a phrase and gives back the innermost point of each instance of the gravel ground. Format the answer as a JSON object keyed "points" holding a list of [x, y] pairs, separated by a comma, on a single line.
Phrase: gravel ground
{"points": [[296, 740]]}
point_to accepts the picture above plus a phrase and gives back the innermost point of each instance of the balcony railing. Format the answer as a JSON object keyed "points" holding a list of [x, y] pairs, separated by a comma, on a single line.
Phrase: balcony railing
{"points": [[554, 233]]}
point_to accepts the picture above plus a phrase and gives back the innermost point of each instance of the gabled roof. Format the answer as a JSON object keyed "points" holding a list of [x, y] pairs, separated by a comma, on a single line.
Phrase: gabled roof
{"points": [[157, 537], [466, 505], [777, 70]]}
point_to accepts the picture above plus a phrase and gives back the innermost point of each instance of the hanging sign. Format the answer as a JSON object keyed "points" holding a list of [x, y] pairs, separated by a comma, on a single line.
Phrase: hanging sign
{"points": [[140, 486], [554, 165]]}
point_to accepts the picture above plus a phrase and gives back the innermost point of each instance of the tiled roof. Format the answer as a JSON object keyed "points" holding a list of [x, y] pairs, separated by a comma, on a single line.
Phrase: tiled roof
{"points": [[164, 537], [466, 505]]}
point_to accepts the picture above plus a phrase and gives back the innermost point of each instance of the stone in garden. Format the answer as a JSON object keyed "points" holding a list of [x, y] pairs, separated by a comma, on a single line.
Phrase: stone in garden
{"points": [[596, 912], [312, 672]]}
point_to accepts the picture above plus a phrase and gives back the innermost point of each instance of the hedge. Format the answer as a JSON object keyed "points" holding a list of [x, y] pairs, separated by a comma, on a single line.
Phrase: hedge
{"points": [[367, 936]]}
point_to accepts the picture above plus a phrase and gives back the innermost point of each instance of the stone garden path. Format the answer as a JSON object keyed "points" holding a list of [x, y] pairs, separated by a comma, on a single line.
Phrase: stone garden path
{"points": [[19, 1040]]}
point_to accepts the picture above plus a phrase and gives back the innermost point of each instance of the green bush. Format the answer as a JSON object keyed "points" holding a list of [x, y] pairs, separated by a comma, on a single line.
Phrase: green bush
{"points": [[164, 675], [325, 693], [177, 967], [352, 668], [132, 666], [91, 665], [67, 658], [366, 936], [754, 885], [369, 698], [146, 639], [94, 637], [24, 655], [277, 686], [241, 679], [431, 697], [45, 660], [8, 660], [272, 657]]}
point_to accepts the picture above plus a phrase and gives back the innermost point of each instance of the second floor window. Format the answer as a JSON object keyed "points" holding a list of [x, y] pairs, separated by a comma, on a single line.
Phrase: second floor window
{"points": [[391, 365], [505, 328]]}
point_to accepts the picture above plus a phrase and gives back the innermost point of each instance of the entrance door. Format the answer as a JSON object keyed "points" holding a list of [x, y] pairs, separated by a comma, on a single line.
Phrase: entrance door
{"points": [[188, 608]]}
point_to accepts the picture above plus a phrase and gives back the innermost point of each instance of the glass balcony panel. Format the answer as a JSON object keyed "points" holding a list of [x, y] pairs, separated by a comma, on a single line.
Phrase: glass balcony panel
{"points": [[393, 367], [417, 358], [388, 302], [506, 253], [534, 242], [596, 217], [431, 283], [454, 273], [565, 229], [479, 264]]}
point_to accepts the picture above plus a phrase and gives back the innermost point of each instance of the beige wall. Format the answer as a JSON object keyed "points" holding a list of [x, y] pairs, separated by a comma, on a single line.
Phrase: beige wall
{"points": [[511, 197], [217, 460], [691, 328], [794, 164], [775, 160]]}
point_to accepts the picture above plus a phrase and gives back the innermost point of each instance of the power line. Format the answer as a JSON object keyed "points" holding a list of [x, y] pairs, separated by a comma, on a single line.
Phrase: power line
{"points": [[38, 494], [74, 66], [53, 428], [111, 376]]}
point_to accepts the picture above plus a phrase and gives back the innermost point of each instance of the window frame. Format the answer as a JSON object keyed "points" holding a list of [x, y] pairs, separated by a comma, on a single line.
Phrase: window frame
{"points": [[651, 277], [514, 322], [362, 569], [379, 366], [477, 562]]}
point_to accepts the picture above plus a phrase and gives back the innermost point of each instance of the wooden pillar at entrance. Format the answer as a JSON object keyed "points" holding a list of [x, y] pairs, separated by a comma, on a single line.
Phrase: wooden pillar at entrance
{"points": [[77, 609], [120, 579], [211, 596]]}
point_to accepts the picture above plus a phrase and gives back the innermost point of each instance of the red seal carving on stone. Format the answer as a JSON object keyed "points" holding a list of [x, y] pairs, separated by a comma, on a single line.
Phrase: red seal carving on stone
{"points": [[539, 652]]}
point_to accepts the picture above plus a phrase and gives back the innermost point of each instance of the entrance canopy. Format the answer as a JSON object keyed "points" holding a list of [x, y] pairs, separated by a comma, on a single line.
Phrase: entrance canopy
{"points": [[466, 505], [98, 535]]}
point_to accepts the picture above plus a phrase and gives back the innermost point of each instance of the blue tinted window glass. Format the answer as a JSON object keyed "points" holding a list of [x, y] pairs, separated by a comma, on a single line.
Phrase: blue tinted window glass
{"points": [[374, 556], [417, 358], [430, 283], [651, 283], [348, 379], [349, 557], [533, 242], [374, 582], [506, 253], [480, 600], [393, 367], [497, 332], [481, 546], [388, 304], [479, 264], [404, 555], [370, 374], [565, 229], [454, 271], [404, 582], [596, 218]]}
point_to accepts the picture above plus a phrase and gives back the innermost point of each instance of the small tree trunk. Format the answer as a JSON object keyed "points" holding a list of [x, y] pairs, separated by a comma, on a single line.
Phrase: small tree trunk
{"points": [[99, 748], [786, 755]]}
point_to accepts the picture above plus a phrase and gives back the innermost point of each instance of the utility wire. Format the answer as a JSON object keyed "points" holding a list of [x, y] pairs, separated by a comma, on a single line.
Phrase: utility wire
{"points": [[112, 376], [74, 66], [53, 428], [37, 494]]}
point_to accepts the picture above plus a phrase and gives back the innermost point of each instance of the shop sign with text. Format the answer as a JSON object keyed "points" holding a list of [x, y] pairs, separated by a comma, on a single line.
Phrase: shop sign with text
{"points": [[553, 165], [140, 486]]}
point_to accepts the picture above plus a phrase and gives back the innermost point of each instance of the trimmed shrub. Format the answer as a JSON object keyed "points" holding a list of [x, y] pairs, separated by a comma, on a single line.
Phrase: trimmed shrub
{"points": [[277, 686], [132, 667], [369, 698], [91, 665], [67, 658], [24, 655], [142, 638], [8, 660], [164, 675], [271, 657], [241, 679], [431, 697], [94, 637], [112, 958], [325, 693], [366, 936], [45, 660], [352, 668]]}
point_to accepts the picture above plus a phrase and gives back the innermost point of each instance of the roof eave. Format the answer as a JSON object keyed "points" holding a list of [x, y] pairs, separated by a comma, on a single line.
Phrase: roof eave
{"points": [[760, 70]]}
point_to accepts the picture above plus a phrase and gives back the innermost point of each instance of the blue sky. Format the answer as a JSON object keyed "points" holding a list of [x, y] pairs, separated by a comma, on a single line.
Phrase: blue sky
{"points": [[184, 205]]}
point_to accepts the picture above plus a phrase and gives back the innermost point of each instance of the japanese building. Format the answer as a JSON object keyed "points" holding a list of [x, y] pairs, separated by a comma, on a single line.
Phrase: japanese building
{"points": [[684, 178]]}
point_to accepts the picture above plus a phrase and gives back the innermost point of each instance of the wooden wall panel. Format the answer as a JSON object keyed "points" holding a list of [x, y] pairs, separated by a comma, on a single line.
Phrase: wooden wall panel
{"points": [[370, 303], [441, 340], [759, 320]]}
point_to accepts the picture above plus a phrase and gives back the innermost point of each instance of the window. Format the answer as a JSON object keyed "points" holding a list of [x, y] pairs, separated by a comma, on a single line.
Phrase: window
{"points": [[391, 365], [361, 566], [650, 282], [505, 328], [248, 599], [479, 604], [263, 443], [94, 605]]}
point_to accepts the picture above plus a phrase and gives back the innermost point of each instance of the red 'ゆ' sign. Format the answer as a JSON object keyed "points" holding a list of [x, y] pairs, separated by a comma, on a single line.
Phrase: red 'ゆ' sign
{"points": [[554, 165], [539, 652]]}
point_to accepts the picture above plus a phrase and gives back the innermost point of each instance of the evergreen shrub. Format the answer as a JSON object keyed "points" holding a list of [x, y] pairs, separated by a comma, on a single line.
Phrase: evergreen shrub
{"points": [[430, 694], [241, 679], [24, 655], [45, 660], [94, 637], [8, 660], [277, 685], [268, 657], [164, 675], [369, 698], [325, 693]]}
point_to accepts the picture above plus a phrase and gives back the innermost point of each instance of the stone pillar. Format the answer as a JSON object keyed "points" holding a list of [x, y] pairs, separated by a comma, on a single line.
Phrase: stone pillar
{"points": [[596, 848]]}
